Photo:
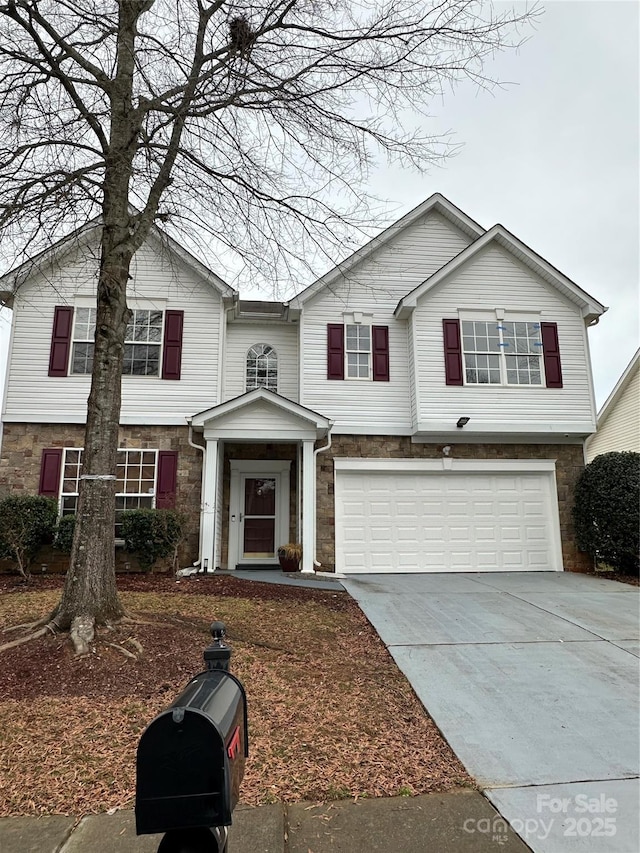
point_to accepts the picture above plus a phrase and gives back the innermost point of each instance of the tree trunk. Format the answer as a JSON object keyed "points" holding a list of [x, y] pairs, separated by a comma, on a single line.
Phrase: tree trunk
{"points": [[90, 587], [90, 596]]}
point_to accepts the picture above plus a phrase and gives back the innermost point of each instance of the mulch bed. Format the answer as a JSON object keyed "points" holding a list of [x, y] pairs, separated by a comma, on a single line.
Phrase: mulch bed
{"points": [[330, 715]]}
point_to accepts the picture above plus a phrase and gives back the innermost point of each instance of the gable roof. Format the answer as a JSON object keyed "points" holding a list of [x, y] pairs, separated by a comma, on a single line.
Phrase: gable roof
{"points": [[621, 385], [11, 281], [435, 203], [590, 307], [257, 395]]}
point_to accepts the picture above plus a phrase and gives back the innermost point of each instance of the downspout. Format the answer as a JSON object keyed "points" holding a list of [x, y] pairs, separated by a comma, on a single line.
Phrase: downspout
{"points": [[201, 449], [315, 457]]}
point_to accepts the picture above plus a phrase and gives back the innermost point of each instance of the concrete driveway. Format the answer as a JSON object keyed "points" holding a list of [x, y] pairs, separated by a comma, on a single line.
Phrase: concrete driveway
{"points": [[533, 680]]}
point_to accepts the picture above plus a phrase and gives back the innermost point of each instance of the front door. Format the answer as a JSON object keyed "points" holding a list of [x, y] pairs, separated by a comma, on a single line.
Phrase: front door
{"points": [[258, 519], [258, 511]]}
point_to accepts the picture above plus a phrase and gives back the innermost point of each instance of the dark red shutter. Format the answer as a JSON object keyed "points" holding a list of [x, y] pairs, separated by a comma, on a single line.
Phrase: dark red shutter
{"points": [[60, 340], [50, 466], [335, 351], [380, 347], [452, 352], [551, 353], [172, 349], [167, 479]]}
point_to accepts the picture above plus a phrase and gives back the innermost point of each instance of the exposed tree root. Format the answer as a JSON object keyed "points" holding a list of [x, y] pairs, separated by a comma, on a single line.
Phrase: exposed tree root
{"points": [[136, 645], [49, 619], [50, 626], [123, 651]]}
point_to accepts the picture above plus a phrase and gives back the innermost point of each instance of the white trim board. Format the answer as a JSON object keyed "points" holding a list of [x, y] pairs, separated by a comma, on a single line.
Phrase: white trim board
{"points": [[469, 466]]}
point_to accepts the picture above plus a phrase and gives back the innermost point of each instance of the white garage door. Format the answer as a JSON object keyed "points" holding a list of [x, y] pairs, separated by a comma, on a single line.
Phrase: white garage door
{"points": [[453, 521]]}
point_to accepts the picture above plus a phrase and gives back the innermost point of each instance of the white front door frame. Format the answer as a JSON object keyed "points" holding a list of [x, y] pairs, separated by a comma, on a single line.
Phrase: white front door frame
{"points": [[278, 468]]}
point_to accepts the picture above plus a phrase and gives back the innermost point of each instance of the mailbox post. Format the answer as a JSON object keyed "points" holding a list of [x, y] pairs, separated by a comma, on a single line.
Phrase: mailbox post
{"points": [[191, 758]]}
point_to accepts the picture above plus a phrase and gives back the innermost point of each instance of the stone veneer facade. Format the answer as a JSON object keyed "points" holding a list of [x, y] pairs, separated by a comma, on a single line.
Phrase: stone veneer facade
{"points": [[22, 446], [569, 463]]}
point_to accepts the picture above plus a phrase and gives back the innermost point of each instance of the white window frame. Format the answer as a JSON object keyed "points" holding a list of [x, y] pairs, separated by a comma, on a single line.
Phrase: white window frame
{"points": [[501, 353], [272, 355], [127, 343], [125, 495], [358, 351]]}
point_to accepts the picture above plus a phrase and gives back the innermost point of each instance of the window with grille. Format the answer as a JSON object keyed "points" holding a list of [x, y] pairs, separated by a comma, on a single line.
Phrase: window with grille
{"points": [[502, 353], [135, 483], [143, 341], [262, 368], [358, 351]]}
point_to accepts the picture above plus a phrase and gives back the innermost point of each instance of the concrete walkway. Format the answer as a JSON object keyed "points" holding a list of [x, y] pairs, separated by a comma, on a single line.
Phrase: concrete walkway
{"points": [[460, 822], [533, 680]]}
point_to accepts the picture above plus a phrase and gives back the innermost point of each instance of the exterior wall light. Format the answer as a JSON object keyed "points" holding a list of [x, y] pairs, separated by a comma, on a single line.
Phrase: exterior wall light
{"points": [[462, 422]]}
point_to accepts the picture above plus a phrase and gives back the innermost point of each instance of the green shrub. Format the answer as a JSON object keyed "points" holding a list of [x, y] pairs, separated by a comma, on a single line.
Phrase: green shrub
{"points": [[26, 523], [151, 534], [64, 534], [607, 510]]}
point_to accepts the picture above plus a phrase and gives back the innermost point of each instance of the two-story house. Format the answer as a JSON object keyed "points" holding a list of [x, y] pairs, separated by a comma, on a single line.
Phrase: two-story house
{"points": [[421, 407]]}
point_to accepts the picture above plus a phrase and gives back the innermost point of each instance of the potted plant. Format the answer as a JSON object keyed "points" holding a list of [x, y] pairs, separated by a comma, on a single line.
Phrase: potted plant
{"points": [[289, 556]]}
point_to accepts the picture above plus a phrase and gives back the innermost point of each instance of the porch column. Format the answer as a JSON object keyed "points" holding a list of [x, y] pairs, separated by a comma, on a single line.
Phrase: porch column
{"points": [[308, 506], [209, 505]]}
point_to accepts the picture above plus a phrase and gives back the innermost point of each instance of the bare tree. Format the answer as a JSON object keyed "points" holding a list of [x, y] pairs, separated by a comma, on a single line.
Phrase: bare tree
{"points": [[253, 123]]}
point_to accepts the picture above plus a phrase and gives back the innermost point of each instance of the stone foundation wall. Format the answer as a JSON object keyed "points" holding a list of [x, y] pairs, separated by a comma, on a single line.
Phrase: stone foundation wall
{"points": [[569, 464], [22, 446]]}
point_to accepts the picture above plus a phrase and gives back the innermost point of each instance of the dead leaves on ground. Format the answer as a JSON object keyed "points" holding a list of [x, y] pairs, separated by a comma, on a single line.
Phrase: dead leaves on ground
{"points": [[330, 716]]}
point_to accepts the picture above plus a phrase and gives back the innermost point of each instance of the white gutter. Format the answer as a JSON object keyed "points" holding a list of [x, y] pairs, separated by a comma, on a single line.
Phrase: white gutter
{"points": [[201, 449], [315, 457]]}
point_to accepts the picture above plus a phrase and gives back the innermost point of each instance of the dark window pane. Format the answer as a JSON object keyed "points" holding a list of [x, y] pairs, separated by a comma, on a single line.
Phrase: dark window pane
{"points": [[260, 496]]}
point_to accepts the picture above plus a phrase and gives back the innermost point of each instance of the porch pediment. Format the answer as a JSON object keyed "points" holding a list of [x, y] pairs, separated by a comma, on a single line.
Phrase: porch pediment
{"points": [[261, 415]]}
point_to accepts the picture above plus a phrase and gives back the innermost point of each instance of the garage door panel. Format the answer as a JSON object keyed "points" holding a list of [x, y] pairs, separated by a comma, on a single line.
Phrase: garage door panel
{"points": [[393, 521]]}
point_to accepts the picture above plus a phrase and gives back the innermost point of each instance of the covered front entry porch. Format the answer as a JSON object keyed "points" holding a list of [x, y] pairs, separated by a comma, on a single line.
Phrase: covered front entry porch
{"points": [[259, 479]]}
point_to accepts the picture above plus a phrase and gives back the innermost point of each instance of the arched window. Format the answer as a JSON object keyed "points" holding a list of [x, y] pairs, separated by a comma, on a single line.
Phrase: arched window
{"points": [[262, 367]]}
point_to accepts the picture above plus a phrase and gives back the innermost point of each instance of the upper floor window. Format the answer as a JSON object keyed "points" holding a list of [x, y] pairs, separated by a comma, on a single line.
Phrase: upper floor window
{"points": [[502, 353], [262, 368], [143, 341], [357, 351]]}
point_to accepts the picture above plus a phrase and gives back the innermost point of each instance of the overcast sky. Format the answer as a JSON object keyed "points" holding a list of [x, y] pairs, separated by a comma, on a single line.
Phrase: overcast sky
{"points": [[554, 157]]}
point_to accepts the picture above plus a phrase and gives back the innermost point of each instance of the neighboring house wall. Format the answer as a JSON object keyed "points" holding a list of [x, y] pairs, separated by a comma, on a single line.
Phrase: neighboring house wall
{"points": [[569, 464], [494, 280], [241, 336], [373, 289], [160, 282], [621, 428]]}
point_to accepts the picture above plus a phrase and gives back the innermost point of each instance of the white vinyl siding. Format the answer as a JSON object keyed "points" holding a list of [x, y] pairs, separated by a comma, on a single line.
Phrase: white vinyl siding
{"points": [[621, 429], [160, 282], [374, 289], [494, 280], [240, 337]]}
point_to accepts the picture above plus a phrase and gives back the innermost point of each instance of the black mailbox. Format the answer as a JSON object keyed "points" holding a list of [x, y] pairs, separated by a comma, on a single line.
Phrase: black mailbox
{"points": [[191, 757]]}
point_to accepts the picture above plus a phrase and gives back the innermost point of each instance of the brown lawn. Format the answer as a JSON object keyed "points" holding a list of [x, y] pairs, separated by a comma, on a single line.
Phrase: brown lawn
{"points": [[330, 716]]}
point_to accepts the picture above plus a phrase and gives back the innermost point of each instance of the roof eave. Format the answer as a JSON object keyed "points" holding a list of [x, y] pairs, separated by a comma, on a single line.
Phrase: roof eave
{"points": [[435, 202], [619, 389], [591, 309]]}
